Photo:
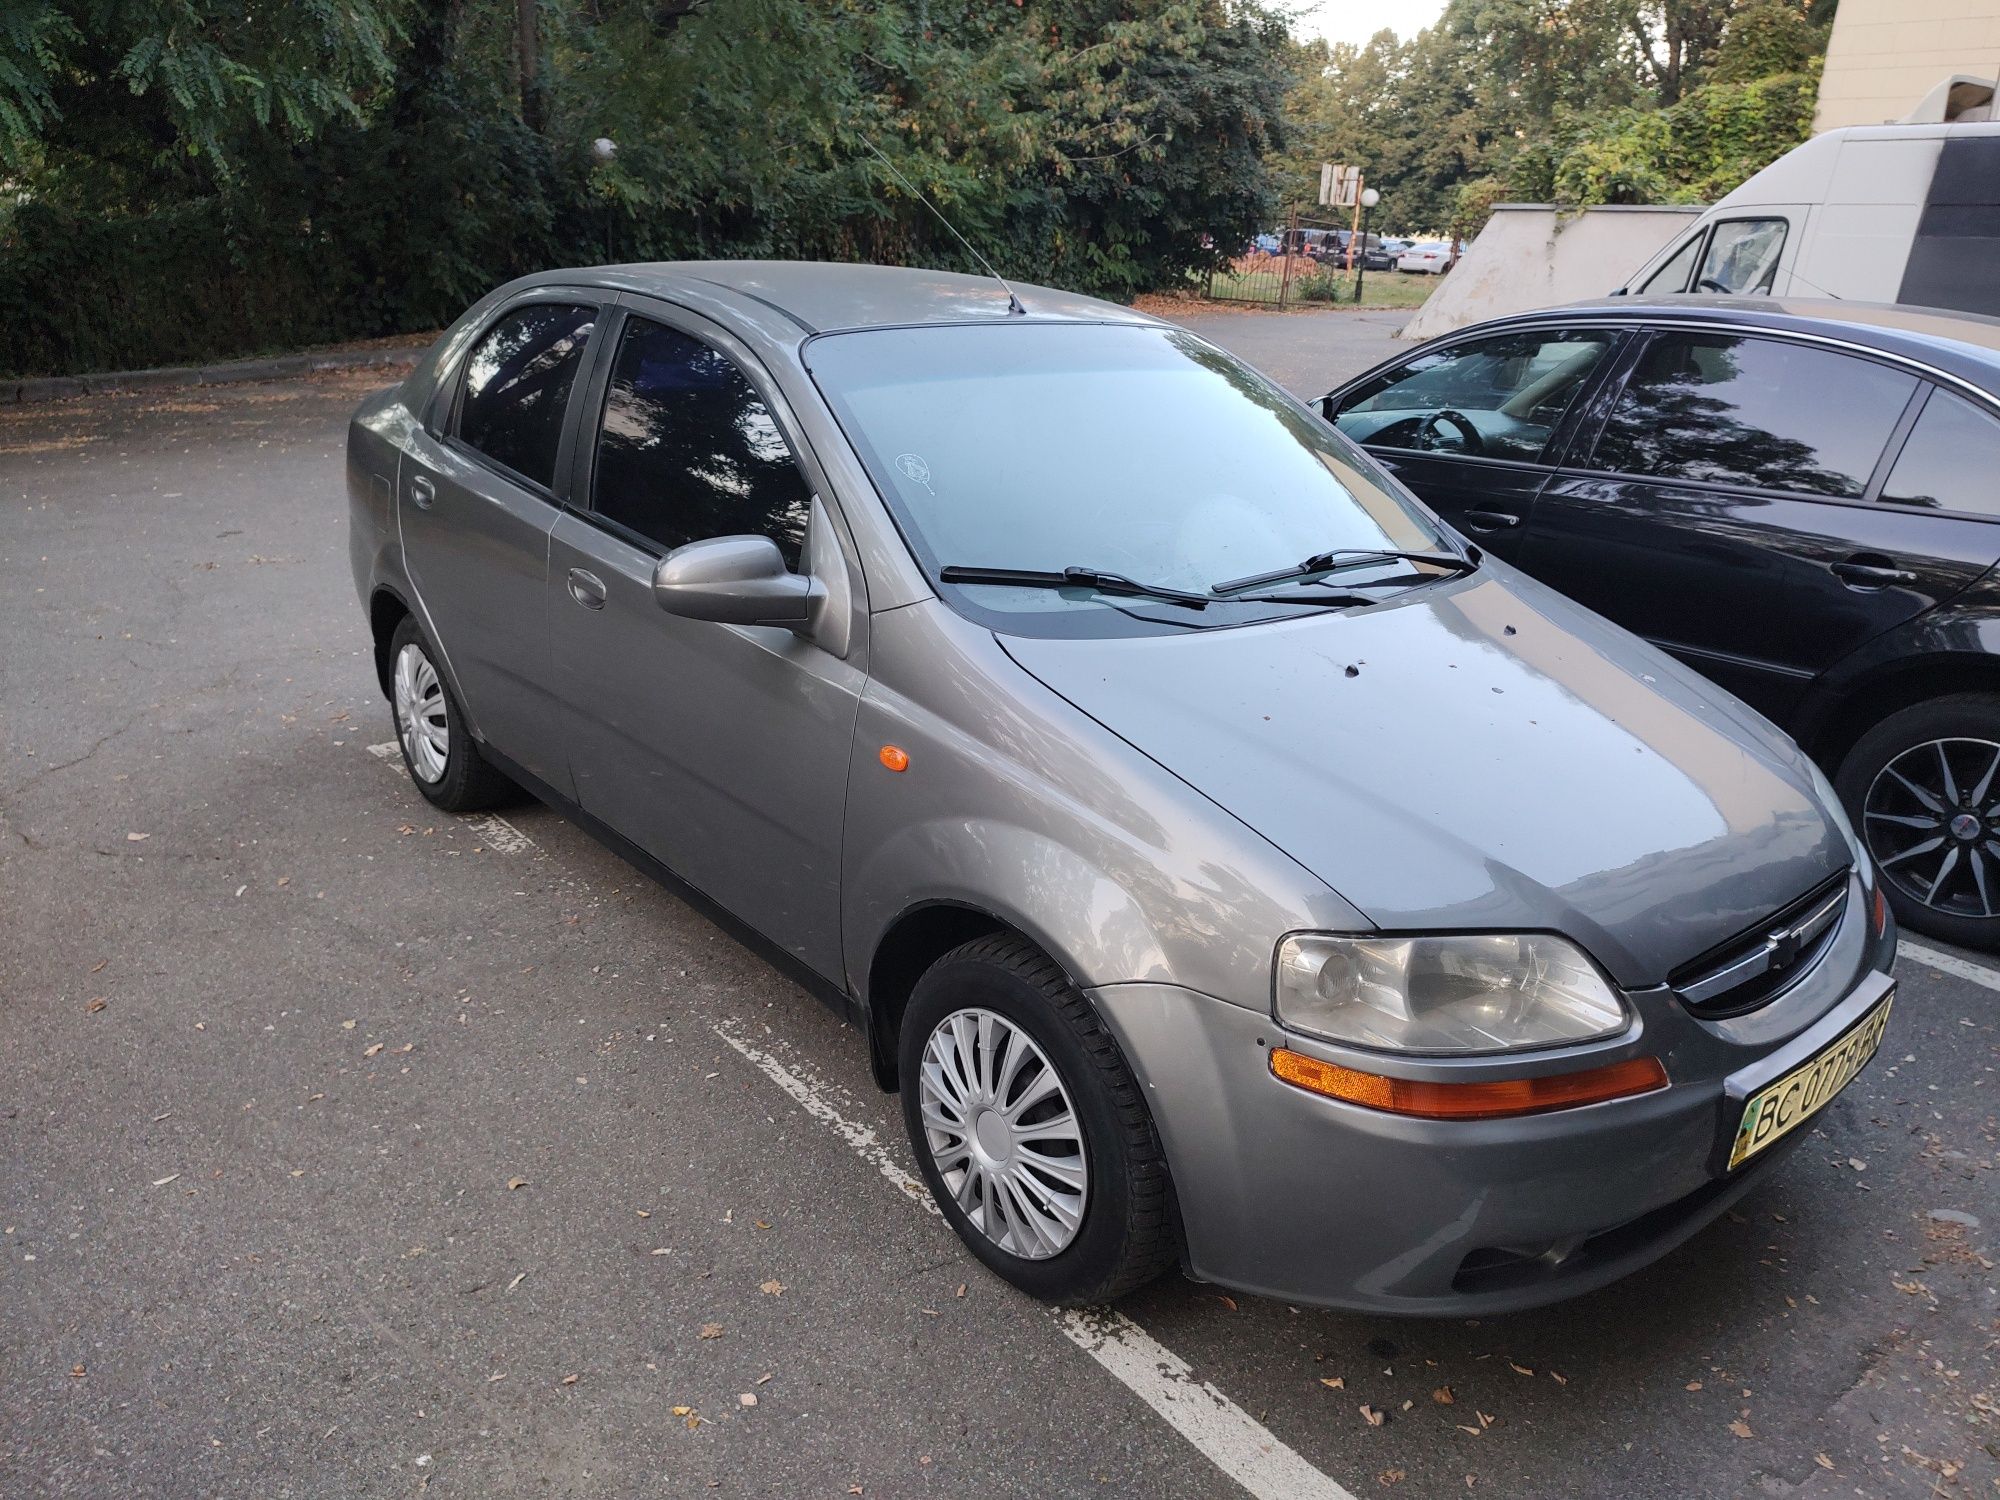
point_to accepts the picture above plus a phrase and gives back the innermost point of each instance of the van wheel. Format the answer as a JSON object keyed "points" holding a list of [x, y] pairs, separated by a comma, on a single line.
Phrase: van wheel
{"points": [[1923, 789], [1029, 1128], [442, 758]]}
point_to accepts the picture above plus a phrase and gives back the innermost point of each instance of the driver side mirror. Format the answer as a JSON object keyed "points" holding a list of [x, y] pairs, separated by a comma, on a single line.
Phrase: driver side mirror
{"points": [[735, 580]]}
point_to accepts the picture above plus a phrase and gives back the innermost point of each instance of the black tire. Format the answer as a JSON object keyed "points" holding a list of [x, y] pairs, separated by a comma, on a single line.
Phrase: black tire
{"points": [[1960, 717], [469, 782], [1128, 1233]]}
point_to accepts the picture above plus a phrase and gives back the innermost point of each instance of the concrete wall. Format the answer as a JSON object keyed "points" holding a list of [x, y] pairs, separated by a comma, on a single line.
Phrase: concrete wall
{"points": [[1530, 256], [1885, 55]]}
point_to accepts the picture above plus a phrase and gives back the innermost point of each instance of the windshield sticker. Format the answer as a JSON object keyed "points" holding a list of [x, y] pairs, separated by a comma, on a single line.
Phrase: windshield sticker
{"points": [[916, 471]]}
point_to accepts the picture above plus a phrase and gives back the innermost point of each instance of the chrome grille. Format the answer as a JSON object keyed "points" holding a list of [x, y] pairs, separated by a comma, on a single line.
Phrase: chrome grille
{"points": [[1758, 965]]}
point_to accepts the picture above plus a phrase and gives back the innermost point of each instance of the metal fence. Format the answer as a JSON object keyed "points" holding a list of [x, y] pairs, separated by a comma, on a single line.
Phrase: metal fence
{"points": [[1302, 262]]}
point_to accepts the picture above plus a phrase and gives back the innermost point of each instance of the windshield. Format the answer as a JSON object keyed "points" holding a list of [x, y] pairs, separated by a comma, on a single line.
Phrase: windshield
{"points": [[1136, 450]]}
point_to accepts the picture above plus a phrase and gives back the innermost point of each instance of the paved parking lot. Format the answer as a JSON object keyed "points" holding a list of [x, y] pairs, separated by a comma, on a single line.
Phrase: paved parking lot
{"points": [[347, 1149]]}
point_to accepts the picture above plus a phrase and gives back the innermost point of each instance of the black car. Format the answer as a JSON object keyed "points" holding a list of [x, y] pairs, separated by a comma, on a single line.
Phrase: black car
{"points": [[1801, 500]]}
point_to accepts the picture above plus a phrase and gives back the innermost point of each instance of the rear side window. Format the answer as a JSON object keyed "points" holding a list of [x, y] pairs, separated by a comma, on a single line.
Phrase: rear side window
{"points": [[1724, 409], [1951, 460], [517, 384], [688, 450]]}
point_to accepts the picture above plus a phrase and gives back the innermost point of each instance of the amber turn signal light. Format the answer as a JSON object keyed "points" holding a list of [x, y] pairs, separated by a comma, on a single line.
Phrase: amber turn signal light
{"points": [[1878, 913], [895, 758], [1487, 1099]]}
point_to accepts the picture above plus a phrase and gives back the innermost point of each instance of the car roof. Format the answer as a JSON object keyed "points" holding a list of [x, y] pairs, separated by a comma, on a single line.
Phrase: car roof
{"points": [[1963, 344], [832, 296]]}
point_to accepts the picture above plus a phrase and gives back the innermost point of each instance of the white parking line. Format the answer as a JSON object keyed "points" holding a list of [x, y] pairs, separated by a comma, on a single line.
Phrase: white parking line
{"points": [[1949, 963], [492, 830], [1219, 1429]]}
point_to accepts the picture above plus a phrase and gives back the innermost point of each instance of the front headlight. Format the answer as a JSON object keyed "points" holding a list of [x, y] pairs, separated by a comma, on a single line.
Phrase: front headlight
{"points": [[1458, 994]]}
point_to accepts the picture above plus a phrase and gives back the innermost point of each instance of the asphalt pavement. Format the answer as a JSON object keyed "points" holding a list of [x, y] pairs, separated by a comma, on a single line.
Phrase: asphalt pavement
{"points": [[350, 1149]]}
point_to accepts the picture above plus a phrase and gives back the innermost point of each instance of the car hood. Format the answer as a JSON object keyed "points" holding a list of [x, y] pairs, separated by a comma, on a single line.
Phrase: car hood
{"points": [[1478, 754]]}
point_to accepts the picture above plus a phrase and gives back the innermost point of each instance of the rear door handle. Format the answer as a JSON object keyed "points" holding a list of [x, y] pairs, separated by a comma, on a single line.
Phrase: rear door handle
{"points": [[1870, 570], [1490, 520], [586, 589], [423, 492]]}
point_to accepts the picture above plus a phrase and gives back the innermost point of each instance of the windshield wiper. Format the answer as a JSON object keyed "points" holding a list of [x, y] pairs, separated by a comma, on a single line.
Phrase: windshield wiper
{"points": [[1074, 578], [1344, 557]]}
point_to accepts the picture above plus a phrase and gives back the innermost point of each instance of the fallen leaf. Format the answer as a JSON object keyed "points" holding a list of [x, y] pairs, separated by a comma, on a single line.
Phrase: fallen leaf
{"points": [[1371, 1416], [961, 1290], [517, 1281], [711, 1330], [76, 1371], [763, 1223], [1519, 1369], [1558, 1379], [663, 1250], [1226, 1300], [644, 1213], [1857, 1163], [681, 1411], [748, 1398], [94, 1006], [1391, 1476], [1443, 1396], [1741, 1428], [771, 1288], [1692, 1385], [569, 1380], [1822, 1460], [1334, 1382], [371, 1051], [1486, 1419], [1475, 1431], [347, 1025], [764, 1377], [516, 1182], [163, 1181], [137, 838]]}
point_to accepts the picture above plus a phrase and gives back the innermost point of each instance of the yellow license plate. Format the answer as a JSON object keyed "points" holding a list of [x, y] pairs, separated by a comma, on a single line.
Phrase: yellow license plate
{"points": [[1778, 1110]]}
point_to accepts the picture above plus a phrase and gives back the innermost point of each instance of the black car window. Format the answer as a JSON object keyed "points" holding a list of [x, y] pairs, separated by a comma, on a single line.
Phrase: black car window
{"points": [[517, 384], [687, 450], [1726, 409], [1673, 276], [1950, 461], [1501, 396]]}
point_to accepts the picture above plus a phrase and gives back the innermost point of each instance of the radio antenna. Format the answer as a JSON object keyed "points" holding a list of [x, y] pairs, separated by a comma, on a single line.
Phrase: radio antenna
{"points": [[1013, 302]]}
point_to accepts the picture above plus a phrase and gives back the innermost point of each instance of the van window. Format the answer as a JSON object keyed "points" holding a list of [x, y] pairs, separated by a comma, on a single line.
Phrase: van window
{"points": [[1673, 276], [1742, 256]]}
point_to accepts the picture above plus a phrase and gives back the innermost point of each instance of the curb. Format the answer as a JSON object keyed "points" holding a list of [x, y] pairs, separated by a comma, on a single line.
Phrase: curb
{"points": [[276, 367]]}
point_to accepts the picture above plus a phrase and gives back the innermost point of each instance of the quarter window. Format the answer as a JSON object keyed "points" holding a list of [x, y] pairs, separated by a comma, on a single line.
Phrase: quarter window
{"points": [[1496, 397], [517, 385], [1742, 256], [1951, 460], [1673, 276], [1761, 412], [688, 450]]}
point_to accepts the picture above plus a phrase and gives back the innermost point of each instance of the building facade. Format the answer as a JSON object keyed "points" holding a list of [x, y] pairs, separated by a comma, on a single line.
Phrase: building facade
{"points": [[1887, 56]]}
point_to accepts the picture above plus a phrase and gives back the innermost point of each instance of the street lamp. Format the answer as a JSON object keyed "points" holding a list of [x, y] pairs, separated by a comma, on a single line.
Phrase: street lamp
{"points": [[1369, 198]]}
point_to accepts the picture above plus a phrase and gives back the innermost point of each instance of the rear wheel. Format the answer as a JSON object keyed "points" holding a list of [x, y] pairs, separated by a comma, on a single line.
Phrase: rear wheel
{"points": [[443, 759], [1029, 1128], [1923, 788]]}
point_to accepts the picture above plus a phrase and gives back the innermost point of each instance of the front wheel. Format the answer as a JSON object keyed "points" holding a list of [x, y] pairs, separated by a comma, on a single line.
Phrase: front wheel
{"points": [[1923, 789], [1029, 1128]]}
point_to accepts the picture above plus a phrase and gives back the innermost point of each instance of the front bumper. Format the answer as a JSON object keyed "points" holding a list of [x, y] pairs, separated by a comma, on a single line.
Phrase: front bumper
{"points": [[1295, 1196]]}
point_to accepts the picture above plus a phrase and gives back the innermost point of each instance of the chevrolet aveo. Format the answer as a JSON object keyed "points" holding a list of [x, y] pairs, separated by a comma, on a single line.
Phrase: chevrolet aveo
{"points": [[1230, 865]]}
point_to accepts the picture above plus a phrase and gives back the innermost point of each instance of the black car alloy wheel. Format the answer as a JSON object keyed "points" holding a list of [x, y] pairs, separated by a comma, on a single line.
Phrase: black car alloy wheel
{"points": [[1933, 825]]}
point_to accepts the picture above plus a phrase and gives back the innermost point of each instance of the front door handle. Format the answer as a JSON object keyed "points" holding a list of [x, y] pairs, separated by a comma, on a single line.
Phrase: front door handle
{"points": [[423, 492], [1490, 520], [586, 589], [1868, 571]]}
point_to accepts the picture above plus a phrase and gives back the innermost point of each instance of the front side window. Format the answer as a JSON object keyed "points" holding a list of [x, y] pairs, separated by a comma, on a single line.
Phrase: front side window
{"points": [[1950, 461], [517, 385], [688, 450], [1497, 397], [1673, 276], [1742, 256], [1136, 450], [1724, 409]]}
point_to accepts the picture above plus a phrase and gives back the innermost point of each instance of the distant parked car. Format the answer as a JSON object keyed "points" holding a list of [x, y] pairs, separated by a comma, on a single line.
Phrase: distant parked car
{"points": [[1432, 258], [1801, 500]]}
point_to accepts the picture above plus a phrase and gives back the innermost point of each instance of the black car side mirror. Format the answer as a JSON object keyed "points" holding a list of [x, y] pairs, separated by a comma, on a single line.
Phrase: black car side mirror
{"points": [[734, 580]]}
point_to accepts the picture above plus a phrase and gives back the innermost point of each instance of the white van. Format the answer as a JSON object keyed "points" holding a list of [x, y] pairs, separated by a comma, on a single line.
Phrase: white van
{"points": [[1870, 213]]}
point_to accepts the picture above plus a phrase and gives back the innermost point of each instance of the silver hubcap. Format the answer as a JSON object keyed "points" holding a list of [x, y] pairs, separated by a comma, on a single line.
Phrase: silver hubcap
{"points": [[1000, 1127], [421, 720], [1932, 819]]}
